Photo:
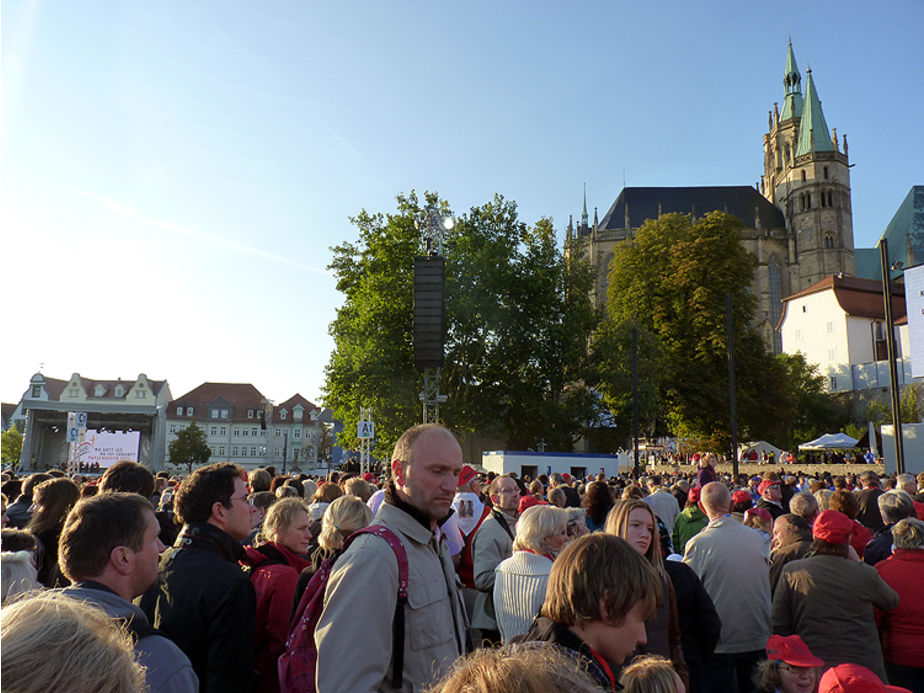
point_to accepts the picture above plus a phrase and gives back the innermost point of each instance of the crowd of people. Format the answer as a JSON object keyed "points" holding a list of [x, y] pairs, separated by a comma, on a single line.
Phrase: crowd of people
{"points": [[436, 577]]}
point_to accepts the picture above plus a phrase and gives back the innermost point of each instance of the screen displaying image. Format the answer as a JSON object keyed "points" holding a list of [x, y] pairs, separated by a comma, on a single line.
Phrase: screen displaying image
{"points": [[108, 447]]}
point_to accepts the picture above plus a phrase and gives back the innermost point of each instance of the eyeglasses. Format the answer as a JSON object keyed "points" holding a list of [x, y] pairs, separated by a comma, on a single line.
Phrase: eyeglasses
{"points": [[246, 499]]}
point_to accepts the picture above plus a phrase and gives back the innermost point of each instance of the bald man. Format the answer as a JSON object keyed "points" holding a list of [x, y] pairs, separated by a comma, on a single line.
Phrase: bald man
{"points": [[731, 561]]}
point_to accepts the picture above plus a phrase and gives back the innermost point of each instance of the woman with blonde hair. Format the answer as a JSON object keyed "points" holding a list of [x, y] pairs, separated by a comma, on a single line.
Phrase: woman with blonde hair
{"points": [[520, 580], [53, 500], [55, 643], [276, 565], [341, 518], [636, 522], [651, 674]]}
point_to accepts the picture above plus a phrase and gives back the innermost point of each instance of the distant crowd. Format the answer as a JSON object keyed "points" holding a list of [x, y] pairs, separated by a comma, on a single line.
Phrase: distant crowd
{"points": [[438, 577]]}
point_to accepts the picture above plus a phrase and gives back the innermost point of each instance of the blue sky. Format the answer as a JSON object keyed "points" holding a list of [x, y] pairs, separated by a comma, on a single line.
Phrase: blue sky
{"points": [[173, 174]]}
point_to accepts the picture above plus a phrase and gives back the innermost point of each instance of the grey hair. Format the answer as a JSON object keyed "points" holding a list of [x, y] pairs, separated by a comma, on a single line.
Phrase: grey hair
{"points": [[804, 505], [908, 533], [895, 505]]}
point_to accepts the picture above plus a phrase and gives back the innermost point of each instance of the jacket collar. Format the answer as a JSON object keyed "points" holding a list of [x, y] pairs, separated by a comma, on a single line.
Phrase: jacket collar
{"points": [[204, 536], [392, 498], [398, 518]]}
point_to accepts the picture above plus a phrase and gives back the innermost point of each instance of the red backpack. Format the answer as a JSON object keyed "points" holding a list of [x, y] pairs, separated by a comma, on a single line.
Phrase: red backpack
{"points": [[298, 663]]}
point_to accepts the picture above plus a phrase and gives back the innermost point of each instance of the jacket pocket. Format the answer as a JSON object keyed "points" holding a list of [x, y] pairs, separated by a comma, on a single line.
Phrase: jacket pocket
{"points": [[429, 616]]}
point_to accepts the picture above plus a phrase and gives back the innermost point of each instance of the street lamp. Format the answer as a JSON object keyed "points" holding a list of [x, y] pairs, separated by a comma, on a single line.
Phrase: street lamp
{"points": [[890, 350]]}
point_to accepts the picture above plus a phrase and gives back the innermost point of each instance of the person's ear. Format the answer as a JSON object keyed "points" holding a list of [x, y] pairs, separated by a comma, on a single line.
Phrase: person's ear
{"points": [[397, 471], [121, 558], [219, 511]]}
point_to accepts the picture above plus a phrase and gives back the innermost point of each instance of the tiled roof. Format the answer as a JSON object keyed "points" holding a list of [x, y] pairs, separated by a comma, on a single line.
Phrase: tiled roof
{"points": [[7, 409], [861, 298], [55, 387], [289, 404], [89, 386], [241, 396], [739, 200]]}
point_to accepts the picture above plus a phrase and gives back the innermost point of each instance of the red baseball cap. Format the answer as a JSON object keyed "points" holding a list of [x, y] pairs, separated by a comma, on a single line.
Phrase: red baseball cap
{"points": [[466, 475], [741, 496], [792, 650], [833, 527], [694, 494], [763, 514], [369, 476], [566, 476], [765, 484], [853, 678]]}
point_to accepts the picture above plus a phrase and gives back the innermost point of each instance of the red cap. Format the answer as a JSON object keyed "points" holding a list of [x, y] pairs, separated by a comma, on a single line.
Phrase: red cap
{"points": [[466, 475], [765, 484], [763, 514], [528, 502], [833, 527], [566, 476], [694, 494], [741, 496], [792, 650], [369, 476], [853, 678]]}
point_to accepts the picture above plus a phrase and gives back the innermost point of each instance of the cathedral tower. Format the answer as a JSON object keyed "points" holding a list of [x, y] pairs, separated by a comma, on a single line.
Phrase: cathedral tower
{"points": [[807, 177]]}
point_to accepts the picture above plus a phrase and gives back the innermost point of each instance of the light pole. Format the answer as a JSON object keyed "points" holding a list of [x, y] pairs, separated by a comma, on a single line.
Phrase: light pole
{"points": [[890, 350]]}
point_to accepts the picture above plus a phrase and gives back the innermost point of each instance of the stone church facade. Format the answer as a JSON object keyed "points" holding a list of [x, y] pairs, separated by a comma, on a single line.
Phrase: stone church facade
{"points": [[798, 220]]}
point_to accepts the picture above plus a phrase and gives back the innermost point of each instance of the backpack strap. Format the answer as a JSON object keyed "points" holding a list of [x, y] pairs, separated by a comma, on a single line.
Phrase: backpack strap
{"points": [[502, 521], [397, 626]]}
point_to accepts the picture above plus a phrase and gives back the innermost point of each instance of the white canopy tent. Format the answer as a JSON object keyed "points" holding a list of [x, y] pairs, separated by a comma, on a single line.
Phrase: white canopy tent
{"points": [[754, 450], [830, 441]]}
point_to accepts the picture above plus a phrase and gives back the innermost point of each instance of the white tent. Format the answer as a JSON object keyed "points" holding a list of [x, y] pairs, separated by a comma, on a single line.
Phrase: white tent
{"points": [[755, 449], [830, 441]]}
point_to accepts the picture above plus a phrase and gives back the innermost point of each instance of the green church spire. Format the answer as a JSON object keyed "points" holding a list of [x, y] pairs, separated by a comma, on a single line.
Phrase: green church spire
{"points": [[814, 135], [792, 81]]}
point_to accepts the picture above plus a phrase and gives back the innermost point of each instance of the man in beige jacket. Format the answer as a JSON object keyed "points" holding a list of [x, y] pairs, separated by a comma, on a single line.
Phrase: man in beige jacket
{"points": [[354, 633]]}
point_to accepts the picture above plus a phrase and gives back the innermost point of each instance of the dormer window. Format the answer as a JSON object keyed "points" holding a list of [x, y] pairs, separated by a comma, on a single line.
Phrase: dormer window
{"points": [[36, 391], [283, 414], [99, 390], [119, 391], [297, 412], [179, 411], [250, 413], [189, 411]]}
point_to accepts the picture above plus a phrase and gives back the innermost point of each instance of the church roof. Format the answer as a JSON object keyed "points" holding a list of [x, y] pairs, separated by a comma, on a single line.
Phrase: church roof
{"points": [[814, 135], [645, 203], [857, 297]]}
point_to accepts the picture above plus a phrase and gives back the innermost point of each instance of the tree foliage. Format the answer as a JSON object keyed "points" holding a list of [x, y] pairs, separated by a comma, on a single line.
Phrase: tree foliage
{"points": [[670, 282], [518, 318], [11, 446], [190, 447]]}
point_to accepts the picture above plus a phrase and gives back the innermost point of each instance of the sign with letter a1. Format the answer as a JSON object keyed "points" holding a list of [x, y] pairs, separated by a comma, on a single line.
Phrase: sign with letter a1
{"points": [[914, 302], [365, 429]]}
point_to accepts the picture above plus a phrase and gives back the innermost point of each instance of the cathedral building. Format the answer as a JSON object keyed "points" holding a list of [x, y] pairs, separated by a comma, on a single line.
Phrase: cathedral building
{"points": [[798, 220]]}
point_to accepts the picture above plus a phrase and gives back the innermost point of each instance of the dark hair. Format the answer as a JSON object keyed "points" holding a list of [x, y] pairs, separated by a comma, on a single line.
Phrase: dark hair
{"points": [[11, 488], [57, 498], [17, 540], [844, 502], [326, 493], [128, 477], [206, 486], [28, 486], [98, 525], [277, 482], [263, 499], [823, 548], [799, 524], [297, 485], [597, 501], [88, 490]]}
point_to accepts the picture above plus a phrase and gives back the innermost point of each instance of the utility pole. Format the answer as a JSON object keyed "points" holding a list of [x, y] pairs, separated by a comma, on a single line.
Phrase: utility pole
{"points": [[891, 352]]}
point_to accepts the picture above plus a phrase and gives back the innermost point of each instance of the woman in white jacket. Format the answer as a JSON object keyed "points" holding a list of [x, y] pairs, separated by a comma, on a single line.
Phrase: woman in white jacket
{"points": [[520, 581]]}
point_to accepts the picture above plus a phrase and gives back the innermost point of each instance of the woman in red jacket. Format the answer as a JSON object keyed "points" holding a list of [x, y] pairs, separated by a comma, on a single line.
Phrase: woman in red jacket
{"points": [[902, 629], [276, 565]]}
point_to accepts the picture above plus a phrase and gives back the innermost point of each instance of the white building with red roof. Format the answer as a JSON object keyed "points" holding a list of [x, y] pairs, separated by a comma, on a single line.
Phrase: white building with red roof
{"points": [[839, 325], [243, 426]]}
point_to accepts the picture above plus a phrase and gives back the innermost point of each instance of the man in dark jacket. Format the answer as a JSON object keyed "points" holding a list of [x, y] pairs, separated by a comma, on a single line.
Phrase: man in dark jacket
{"points": [[771, 496], [700, 625], [18, 512], [203, 600], [792, 539], [600, 593], [869, 516]]}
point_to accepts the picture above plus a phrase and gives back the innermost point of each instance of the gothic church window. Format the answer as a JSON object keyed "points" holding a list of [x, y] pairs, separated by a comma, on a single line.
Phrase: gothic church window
{"points": [[829, 240], [803, 176], [775, 281], [826, 173]]}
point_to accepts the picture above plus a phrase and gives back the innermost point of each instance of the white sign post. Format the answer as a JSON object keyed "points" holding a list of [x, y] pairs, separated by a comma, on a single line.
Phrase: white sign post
{"points": [[914, 304], [365, 432]]}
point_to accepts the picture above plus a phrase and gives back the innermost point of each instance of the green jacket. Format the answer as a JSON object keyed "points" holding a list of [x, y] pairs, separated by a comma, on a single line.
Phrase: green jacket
{"points": [[687, 525]]}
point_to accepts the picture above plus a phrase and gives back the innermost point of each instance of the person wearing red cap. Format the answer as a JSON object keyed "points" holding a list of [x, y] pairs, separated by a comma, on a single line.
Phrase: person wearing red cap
{"points": [[827, 599], [853, 678], [790, 667], [771, 496]]}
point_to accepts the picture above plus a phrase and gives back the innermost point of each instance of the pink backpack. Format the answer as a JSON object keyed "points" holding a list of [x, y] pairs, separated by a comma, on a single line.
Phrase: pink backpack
{"points": [[298, 663]]}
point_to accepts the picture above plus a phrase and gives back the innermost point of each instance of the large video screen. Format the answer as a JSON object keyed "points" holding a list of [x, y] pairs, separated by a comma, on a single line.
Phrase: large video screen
{"points": [[108, 447]]}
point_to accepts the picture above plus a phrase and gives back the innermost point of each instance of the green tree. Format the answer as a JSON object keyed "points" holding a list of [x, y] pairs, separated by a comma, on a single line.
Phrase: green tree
{"points": [[190, 447], [671, 281], [11, 447], [518, 319]]}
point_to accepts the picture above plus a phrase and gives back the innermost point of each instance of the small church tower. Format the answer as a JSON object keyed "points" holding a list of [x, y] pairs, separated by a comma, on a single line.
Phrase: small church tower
{"points": [[807, 177]]}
